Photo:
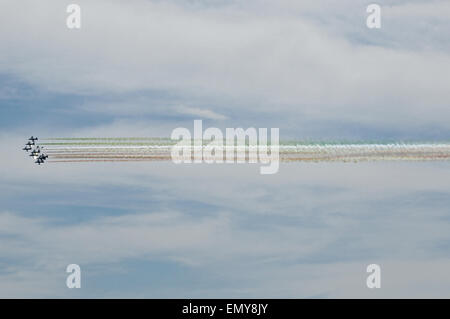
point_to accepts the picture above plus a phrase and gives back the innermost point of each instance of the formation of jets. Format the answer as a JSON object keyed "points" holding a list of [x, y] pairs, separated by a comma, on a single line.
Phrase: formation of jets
{"points": [[36, 150]]}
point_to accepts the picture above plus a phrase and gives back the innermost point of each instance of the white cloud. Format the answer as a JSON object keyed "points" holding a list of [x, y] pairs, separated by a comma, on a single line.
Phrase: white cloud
{"points": [[270, 61], [200, 113]]}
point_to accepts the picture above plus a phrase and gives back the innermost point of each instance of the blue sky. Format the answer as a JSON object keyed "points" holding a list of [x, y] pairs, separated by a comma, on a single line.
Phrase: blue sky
{"points": [[143, 68]]}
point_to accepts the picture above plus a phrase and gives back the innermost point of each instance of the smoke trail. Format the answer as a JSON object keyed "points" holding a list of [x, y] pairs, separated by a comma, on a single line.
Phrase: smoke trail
{"points": [[69, 150]]}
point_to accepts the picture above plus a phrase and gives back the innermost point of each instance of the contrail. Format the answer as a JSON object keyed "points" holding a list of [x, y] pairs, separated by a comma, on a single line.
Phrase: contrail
{"points": [[69, 150]]}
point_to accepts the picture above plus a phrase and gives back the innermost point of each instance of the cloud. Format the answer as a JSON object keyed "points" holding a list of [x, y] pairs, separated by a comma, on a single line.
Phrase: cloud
{"points": [[271, 61], [139, 107], [200, 113], [310, 242]]}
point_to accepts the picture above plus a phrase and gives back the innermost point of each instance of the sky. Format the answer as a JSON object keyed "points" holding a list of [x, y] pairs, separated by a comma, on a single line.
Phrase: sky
{"points": [[160, 230]]}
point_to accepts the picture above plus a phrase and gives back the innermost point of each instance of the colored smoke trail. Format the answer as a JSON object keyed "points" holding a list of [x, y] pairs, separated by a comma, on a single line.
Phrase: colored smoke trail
{"points": [[127, 149]]}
